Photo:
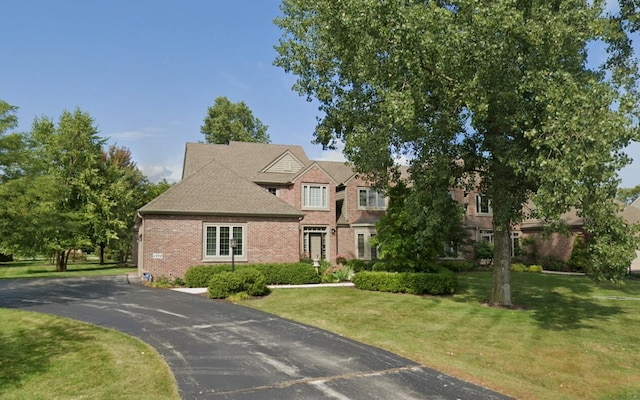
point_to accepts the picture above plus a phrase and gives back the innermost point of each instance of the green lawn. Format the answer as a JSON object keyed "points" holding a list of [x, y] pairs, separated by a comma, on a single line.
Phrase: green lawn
{"points": [[46, 357], [44, 269], [569, 339]]}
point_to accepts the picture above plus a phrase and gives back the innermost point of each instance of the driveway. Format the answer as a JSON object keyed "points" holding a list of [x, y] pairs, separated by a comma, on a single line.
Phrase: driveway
{"points": [[219, 350]]}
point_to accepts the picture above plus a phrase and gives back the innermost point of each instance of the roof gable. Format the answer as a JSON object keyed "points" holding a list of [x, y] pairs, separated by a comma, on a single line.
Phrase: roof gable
{"points": [[216, 190], [287, 163]]}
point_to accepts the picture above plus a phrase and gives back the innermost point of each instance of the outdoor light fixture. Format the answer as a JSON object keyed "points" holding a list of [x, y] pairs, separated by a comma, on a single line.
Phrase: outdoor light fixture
{"points": [[233, 243]]}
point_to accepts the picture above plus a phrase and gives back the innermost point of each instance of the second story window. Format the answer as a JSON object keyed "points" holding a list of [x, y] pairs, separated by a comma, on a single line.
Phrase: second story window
{"points": [[483, 205], [315, 196], [369, 198]]}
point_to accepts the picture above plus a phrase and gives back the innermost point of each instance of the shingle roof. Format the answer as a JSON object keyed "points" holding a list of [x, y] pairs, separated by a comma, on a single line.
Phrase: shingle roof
{"points": [[246, 159], [216, 190]]}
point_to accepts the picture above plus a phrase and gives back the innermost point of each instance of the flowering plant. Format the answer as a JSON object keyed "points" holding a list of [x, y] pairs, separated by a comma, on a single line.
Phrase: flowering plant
{"points": [[341, 259]]}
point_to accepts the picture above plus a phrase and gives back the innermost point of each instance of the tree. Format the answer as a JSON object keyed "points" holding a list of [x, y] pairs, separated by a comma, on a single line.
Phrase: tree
{"points": [[496, 95], [227, 121], [50, 208], [628, 195], [11, 144]]}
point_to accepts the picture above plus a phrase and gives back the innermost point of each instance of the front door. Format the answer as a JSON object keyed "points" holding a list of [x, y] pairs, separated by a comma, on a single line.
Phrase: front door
{"points": [[315, 246]]}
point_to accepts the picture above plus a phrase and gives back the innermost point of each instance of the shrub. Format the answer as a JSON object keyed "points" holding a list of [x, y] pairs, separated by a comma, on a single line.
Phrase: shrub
{"points": [[249, 281], [337, 273], [444, 282], [199, 275], [458, 265], [517, 267], [553, 263], [341, 259], [359, 265], [580, 259], [288, 274], [535, 268], [482, 251]]}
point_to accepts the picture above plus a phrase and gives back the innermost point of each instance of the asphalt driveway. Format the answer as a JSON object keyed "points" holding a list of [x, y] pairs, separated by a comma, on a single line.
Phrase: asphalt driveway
{"points": [[219, 350]]}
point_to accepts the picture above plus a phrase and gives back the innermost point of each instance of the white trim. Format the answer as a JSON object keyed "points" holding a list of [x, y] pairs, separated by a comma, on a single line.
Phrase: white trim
{"points": [[368, 197], [223, 258], [306, 196]]}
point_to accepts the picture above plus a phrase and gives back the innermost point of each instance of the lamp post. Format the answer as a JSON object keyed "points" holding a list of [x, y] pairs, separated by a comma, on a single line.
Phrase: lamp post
{"points": [[233, 243]]}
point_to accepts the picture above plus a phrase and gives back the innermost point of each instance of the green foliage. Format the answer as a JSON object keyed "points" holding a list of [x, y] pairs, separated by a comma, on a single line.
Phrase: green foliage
{"points": [[420, 221], [628, 195], [518, 267], [249, 281], [337, 273], [580, 259], [199, 276], [275, 274], [227, 121], [482, 251], [458, 265], [444, 282], [360, 265], [516, 111], [553, 263], [288, 273]]}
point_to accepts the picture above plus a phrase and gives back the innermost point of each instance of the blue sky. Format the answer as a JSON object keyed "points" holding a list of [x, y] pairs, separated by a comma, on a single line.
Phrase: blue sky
{"points": [[146, 71]]}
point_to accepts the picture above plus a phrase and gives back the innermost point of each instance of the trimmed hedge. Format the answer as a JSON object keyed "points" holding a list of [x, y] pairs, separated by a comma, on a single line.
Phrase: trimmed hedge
{"points": [[459, 265], [444, 282], [199, 276], [518, 267], [288, 274], [249, 281], [275, 274]]}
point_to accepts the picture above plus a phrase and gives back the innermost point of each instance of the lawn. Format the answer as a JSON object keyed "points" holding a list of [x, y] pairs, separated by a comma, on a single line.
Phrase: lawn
{"points": [[46, 357], [569, 338], [45, 269]]}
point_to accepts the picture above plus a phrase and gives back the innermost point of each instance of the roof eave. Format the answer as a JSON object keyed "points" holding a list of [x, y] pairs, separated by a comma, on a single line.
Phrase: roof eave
{"points": [[220, 213]]}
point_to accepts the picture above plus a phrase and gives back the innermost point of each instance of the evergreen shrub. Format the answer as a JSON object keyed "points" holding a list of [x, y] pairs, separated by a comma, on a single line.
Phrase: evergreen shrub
{"points": [[443, 282], [249, 281]]}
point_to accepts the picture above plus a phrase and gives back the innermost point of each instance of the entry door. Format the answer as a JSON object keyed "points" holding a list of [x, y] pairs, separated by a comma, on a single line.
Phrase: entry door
{"points": [[315, 246]]}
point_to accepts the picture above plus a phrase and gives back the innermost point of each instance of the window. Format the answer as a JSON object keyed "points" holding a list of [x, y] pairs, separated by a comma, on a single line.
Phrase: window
{"points": [[483, 205], [364, 250], [371, 199], [273, 191], [486, 236], [217, 240], [315, 196], [515, 244]]}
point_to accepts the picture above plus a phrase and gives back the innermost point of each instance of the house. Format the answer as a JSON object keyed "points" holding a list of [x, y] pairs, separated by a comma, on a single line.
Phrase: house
{"points": [[277, 205], [271, 199]]}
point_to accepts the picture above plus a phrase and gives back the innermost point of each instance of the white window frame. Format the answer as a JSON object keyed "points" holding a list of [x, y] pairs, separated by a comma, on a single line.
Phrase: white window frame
{"points": [[306, 196], [480, 198], [515, 242], [240, 252], [376, 195], [485, 233], [368, 250]]}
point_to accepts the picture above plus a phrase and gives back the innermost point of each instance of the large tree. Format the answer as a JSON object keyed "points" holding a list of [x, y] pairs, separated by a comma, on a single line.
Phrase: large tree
{"points": [[50, 208], [11, 143], [497, 95], [226, 121]]}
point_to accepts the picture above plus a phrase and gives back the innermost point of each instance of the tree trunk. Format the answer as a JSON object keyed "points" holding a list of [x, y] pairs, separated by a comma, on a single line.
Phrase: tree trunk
{"points": [[61, 261], [102, 245], [501, 291]]}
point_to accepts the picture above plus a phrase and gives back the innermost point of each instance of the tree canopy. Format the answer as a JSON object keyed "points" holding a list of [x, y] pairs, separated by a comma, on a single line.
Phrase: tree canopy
{"points": [[226, 121], [496, 95], [70, 192]]}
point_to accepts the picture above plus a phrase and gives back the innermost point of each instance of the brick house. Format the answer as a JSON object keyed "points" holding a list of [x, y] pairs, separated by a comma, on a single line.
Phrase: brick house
{"points": [[278, 206], [276, 203]]}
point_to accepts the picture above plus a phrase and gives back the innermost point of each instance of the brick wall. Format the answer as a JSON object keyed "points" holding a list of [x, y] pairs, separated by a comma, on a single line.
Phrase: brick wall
{"points": [[177, 241]]}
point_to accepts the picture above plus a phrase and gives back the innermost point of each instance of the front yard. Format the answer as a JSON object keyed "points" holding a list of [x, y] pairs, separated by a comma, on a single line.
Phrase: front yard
{"points": [[570, 338]]}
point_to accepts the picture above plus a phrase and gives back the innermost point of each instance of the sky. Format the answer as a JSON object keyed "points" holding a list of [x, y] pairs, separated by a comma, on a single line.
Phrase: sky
{"points": [[147, 70]]}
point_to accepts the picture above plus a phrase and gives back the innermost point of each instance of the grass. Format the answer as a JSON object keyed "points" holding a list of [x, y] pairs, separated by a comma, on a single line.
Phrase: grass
{"points": [[44, 269], [46, 357], [569, 339]]}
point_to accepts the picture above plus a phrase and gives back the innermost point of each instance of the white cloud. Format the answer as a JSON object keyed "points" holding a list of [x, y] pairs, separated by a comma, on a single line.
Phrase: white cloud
{"points": [[172, 171]]}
